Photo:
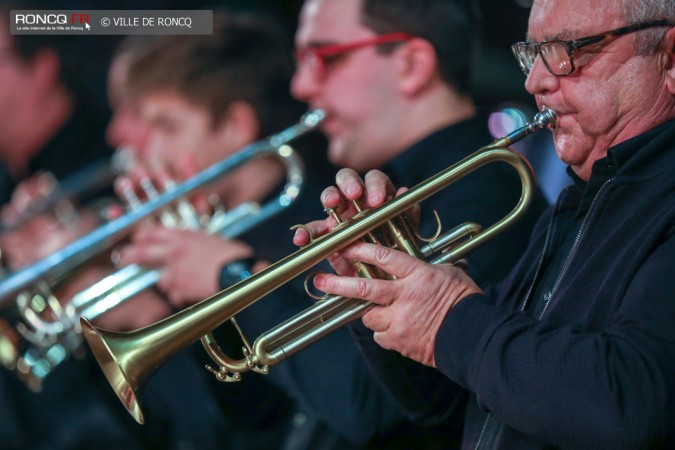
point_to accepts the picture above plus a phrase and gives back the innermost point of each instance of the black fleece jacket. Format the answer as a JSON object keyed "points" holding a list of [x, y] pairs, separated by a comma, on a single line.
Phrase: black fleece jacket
{"points": [[597, 370]]}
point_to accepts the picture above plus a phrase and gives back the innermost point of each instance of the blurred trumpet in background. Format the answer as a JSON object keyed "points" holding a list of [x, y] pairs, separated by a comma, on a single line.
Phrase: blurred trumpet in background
{"points": [[40, 330]]}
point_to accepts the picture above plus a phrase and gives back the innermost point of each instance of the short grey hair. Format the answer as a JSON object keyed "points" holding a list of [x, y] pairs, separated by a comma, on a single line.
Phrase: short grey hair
{"points": [[636, 11]]}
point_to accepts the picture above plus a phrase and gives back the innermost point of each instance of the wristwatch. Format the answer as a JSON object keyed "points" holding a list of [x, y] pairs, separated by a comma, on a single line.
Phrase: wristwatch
{"points": [[235, 271]]}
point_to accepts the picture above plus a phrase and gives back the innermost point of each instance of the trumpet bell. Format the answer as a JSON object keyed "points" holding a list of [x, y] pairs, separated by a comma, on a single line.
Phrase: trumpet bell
{"points": [[118, 370]]}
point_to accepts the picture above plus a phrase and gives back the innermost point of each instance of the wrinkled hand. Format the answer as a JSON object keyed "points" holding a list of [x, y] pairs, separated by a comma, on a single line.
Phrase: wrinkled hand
{"points": [[410, 309], [189, 261], [371, 192]]}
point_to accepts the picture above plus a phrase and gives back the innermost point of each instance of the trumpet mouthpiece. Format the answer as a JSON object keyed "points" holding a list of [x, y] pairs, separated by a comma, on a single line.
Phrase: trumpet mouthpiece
{"points": [[313, 118], [546, 118]]}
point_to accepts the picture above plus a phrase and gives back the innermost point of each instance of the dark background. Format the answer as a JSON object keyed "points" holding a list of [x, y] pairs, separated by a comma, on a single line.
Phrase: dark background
{"points": [[497, 77]]}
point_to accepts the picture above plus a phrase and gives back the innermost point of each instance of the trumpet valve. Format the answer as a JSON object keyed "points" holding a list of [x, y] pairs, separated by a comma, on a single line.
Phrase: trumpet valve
{"points": [[360, 211], [332, 212]]}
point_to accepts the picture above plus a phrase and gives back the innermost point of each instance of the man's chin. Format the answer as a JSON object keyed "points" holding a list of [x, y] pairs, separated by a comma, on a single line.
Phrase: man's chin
{"points": [[348, 156], [568, 149]]}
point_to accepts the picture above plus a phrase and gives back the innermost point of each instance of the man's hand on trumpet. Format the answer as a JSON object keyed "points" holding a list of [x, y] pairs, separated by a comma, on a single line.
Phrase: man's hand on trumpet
{"points": [[33, 231], [189, 261], [143, 182], [409, 310], [370, 192], [188, 258]]}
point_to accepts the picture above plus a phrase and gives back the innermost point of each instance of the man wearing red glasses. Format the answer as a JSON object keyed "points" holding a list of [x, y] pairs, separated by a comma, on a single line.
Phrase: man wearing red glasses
{"points": [[393, 78], [576, 348]]}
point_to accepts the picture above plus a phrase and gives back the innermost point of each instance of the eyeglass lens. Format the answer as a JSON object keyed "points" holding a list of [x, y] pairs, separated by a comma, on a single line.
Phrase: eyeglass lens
{"points": [[554, 54], [556, 57]]}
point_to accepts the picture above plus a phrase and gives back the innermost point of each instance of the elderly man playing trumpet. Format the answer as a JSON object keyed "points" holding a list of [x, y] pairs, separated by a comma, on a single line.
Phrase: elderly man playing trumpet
{"points": [[575, 348]]}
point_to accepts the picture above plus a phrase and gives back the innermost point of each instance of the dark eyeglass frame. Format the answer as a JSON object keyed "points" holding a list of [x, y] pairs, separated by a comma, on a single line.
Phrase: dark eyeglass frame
{"points": [[570, 46], [320, 54]]}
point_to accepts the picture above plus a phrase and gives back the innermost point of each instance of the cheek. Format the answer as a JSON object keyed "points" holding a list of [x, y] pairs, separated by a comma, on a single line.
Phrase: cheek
{"points": [[594, 108], [167, 149], [124, 129], [354, 92], [182, 141], [346, 99], [213, 151]]}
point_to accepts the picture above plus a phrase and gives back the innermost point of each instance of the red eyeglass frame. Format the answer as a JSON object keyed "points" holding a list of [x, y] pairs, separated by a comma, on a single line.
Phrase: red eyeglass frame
{"points": [[320, 53]]}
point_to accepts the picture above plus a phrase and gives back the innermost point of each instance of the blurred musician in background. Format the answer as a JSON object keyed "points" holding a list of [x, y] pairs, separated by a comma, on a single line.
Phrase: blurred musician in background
{"points": [[575, 348], [50, 123], [75, 408], [125, 129], [49, 128], [179, 123], [182, 411], [393, 77]]}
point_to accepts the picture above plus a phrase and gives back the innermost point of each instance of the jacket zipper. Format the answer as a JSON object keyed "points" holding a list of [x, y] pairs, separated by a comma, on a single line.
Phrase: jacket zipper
{"points": [[549, 232], [549, 295]]}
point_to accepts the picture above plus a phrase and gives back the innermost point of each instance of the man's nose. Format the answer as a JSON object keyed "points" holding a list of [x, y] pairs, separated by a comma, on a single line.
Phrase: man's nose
{"points": [[540, 80], [304, 84], [152, 149]]}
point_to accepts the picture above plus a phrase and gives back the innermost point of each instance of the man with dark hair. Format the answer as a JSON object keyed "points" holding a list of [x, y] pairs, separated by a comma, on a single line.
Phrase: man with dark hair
{"points": [[575, 348], [393, 77], [452, 28], [400, 101]]}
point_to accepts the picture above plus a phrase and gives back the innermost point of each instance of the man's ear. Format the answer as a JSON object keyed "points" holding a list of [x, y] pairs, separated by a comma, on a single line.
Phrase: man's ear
{"points": [[669, 53], [417, 66], [239, 126]]}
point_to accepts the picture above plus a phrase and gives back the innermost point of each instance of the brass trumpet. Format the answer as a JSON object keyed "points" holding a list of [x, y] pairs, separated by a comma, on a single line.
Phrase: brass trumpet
{"points": [[128, 359], [46, 333]]}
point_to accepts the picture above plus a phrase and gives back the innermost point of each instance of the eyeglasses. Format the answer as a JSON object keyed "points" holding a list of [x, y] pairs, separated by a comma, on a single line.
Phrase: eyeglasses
{"points": [[558, 55], [320, 57]]}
